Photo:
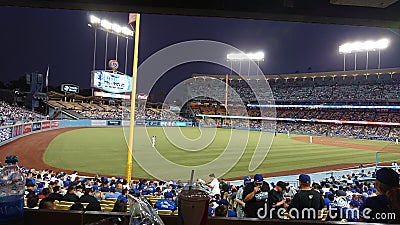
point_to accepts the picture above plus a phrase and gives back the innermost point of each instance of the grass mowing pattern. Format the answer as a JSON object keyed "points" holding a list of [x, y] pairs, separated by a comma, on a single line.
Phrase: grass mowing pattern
{"points": [[104, 150]]}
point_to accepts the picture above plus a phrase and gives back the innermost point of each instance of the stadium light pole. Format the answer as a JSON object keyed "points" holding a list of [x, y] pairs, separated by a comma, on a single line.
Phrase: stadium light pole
{"points": [[366, 46]]}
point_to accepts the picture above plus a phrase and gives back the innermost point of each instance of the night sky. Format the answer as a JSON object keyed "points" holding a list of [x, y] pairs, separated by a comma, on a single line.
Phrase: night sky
{"points": [[33, 38]]}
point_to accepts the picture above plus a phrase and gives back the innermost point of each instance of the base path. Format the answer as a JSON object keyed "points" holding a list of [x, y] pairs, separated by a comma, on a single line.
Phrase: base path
{"points": [[30, 151]]}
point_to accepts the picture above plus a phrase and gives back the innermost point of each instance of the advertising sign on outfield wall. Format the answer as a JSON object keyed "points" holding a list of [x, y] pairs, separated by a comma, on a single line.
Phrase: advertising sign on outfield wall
{"points": [[36, 126], [114, 123], [55, 123], [27, 128], [18, 130], [99, 123], [45, 125], [5, 134]]}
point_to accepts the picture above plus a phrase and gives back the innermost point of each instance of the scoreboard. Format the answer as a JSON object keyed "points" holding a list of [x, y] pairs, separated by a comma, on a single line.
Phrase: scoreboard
{"points": [[111, 82]]}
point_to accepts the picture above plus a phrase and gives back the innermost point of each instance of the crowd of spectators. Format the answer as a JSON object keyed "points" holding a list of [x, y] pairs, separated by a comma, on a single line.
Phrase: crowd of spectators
{"points": [[370, 88], [294, 120], [10, 115], [118, 112], [378, 191]]}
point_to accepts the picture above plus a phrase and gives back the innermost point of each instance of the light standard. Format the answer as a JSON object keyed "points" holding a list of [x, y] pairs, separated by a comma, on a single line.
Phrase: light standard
{"points": [[239, 57], [366, 46]]}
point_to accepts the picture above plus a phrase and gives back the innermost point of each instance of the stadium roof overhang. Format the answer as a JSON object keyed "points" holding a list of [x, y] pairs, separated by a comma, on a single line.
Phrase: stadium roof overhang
{"points": [[375, 13]]}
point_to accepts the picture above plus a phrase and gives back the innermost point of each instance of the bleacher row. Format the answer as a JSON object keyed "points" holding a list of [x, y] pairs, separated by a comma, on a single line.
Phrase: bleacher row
{"points": [[101, 111]]}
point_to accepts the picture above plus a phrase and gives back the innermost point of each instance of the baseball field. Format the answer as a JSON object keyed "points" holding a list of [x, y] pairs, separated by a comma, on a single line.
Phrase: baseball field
{"points": [[104, 151]]}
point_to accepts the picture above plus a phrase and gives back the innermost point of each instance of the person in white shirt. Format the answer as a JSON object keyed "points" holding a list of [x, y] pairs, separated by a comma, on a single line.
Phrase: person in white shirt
{"points": [[213, 185], [153, 141]]}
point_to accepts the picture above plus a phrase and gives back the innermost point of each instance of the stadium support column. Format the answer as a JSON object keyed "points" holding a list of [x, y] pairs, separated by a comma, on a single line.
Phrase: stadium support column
{"points": [[133, 101]]}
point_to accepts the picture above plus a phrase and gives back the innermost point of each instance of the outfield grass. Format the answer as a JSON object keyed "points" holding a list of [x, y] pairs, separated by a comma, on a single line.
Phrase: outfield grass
{"points": [[104, 151]]}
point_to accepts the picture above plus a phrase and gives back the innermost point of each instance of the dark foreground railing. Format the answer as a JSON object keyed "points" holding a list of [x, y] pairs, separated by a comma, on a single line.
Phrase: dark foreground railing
{"points": [[59, 217]]}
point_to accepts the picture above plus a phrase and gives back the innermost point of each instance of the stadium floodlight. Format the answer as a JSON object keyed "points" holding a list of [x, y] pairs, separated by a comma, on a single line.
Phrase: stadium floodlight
{"points": [[366, 46], [95, 20], [106, 24], [117, 28], [110, 27], [258, 56], [127, 31]]}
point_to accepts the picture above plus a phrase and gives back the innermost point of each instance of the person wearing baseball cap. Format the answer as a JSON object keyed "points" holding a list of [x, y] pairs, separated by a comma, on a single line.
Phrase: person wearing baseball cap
{"points": [[306, 200], [239, 197], [213, 184], [386, 202], [255, 196], [276, 199]]}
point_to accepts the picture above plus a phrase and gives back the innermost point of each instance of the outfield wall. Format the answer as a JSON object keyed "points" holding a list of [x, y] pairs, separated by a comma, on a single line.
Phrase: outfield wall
{"points": [[10, 133]]}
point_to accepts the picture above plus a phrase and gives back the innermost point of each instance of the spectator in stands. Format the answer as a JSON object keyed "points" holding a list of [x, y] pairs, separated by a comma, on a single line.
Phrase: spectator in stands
{"points": [[213, 184], [55, 195], [47, 203], [93, 206], [88, 196], [111, 193], [71, 196], [44, 194], [77, 206], [221, 211], [30, 188], [120, 206], [255, 196], [167, 203], [276, 201], [387, 200], [32, 201], [239, 198], [79, 191], [306, 202]]}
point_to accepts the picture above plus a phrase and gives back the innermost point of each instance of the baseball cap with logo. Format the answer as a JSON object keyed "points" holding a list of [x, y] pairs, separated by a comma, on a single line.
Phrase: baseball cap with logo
{"points": [[258, 178], [304, 178], [388, 176]]}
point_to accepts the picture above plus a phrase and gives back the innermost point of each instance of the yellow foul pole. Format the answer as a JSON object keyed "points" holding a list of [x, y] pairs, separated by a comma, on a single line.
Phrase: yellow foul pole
{"points": [[133, 101]]}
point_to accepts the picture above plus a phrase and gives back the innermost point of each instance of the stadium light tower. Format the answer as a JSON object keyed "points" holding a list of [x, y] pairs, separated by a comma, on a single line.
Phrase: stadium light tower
{"points": [[366, 46], [239, 57], [109, 27]]}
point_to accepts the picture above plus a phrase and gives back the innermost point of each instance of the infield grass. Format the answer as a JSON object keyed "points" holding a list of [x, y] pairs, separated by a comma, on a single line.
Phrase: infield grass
{"points": [[104, 151]]}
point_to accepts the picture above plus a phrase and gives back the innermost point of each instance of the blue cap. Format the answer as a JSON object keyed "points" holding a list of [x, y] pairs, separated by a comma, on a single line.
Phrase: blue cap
{"points": [[355, 203], [112, 188], [66, 183], [388, 176], [168, 195], [51, 183], [258, 178], [304, 178], [247, 179], [223, 202]]}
